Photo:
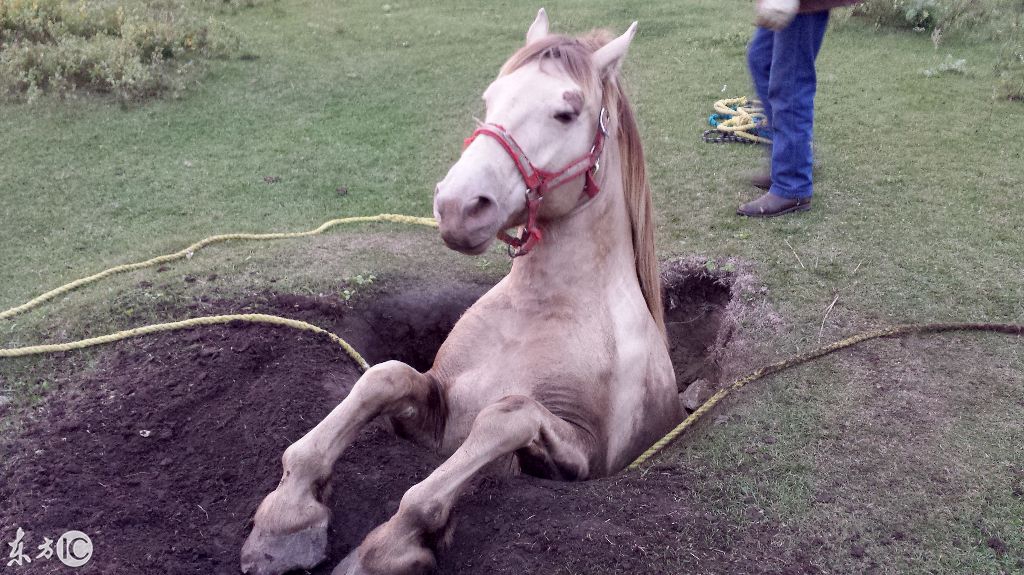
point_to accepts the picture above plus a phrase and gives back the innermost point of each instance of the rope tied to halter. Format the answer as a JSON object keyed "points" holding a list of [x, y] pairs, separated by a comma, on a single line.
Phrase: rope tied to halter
{"points": [[738, 120]]}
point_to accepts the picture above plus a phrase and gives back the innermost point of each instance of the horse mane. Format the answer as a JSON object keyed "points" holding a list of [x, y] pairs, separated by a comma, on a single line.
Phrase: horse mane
{"points": [[573, 56]]}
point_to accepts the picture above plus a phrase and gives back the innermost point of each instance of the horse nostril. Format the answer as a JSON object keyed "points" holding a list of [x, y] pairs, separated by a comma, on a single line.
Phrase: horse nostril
{"points": [[479, 206]]}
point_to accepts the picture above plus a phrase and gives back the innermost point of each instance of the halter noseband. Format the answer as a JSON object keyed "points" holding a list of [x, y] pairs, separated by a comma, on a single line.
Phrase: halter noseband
{"points": [[539, 182]]}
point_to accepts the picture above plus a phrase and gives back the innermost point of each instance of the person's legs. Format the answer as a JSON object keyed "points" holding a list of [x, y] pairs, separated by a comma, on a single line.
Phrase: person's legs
{"points": [[791, 88], [759, 61]]}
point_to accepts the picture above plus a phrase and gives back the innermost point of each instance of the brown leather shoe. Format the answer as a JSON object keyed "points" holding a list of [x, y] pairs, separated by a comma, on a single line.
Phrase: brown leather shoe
{"points": [[770, 205]]}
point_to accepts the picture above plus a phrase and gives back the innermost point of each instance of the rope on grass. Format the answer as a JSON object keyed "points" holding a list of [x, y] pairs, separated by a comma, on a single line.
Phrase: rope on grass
{"points": [[737, 120], [895, 331], [190, 250], [257, 318]]}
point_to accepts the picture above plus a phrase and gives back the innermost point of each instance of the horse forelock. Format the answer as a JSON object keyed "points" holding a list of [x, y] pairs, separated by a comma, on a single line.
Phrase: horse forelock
{"points": [[572, 55]]}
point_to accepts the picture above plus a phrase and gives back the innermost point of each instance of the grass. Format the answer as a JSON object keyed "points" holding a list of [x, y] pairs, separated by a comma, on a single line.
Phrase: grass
{"points": [[916, 218]]}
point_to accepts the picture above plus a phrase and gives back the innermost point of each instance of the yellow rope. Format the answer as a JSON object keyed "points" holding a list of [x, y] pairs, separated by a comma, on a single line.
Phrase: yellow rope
{"points": [[1012, 329], [185, 324], [745, 116], [187, 253]]}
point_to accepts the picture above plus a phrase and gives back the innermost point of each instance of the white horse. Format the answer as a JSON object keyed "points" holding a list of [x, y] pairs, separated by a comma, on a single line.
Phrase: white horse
{"points": [[562, 369]]}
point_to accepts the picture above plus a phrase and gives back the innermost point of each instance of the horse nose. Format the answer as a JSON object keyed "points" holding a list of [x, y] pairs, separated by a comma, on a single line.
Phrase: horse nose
{"points": [[480, 207], [467, 223], [476, 212]]}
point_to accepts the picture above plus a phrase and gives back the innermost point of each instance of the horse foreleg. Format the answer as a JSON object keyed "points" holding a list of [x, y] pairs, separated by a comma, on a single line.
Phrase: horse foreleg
{"points": [[404, 545], [290, 525]]}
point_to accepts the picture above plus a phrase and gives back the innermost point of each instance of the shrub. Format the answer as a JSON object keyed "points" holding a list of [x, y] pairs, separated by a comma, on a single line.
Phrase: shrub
{"points": [[898, 13], [923, 14], [131, 49]]}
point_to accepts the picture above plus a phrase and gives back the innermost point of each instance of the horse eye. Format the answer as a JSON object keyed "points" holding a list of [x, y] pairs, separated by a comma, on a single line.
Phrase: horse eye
{"points": [[565, 117]]}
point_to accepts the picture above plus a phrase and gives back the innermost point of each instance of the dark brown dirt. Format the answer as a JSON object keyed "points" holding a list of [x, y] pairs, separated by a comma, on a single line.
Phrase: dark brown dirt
{"points": [[162, 451], [694, 307]]}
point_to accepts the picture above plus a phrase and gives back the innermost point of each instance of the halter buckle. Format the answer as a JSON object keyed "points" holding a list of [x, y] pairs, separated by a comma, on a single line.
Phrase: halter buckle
{"points": [[602, 128], [602, 121]]}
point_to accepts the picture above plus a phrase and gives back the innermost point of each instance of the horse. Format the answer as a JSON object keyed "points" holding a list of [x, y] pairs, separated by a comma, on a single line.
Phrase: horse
{"points": [[562, 369]]}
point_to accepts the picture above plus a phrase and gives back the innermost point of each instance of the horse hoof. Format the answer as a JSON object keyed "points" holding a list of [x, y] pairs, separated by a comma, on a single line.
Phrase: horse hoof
{"points": [[273, 554]]}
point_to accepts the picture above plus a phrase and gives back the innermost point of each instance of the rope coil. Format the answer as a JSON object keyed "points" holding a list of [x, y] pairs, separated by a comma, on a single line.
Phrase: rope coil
{"points": [[737, 120]]}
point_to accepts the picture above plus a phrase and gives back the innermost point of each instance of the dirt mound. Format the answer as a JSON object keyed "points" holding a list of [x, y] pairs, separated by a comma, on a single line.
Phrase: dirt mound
{"points": [[163, 450]]}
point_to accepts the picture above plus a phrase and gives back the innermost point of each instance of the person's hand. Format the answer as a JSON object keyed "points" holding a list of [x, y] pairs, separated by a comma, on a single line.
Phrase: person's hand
{"points": [[776, 14]]}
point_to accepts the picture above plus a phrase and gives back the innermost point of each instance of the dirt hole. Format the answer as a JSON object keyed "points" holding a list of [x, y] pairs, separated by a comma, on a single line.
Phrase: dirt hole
{"points": [[407, 322], [695, 304], [163, 450]]}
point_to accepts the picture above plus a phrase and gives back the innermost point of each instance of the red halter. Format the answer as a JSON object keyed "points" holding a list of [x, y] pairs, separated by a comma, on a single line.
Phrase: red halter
{"points": [[539, 182]]}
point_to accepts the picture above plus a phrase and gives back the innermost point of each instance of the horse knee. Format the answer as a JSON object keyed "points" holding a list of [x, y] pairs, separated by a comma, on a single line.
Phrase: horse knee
{"points": [[513, 421], [389, 375], [424, 510], [511, 407], [299, 460], [545, 445], [385, 382]]}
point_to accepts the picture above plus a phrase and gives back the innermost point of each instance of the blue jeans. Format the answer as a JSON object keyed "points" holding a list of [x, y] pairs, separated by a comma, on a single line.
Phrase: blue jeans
{"points": [[782, 66]]}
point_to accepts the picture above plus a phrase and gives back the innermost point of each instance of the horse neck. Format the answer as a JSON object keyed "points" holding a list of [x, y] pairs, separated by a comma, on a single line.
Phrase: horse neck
{"points": [[588, 248]]}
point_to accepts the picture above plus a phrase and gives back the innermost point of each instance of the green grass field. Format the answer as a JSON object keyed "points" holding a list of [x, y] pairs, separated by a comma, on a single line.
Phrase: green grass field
{"points": [[899, 457]]}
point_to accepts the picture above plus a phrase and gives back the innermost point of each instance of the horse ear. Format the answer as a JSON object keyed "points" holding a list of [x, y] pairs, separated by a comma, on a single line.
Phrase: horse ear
{"points": [[539, 28], [608, 58]]}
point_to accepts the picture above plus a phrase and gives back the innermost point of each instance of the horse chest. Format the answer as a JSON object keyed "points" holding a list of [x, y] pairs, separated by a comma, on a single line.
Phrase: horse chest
{"points": [[564, 365]]}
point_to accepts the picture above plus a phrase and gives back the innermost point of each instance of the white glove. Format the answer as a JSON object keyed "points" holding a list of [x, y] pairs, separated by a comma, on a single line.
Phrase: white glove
{"points": [[776, 14]]}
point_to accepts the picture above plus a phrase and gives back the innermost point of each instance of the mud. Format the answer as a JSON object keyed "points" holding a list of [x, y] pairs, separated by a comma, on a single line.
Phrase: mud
{"points": [[161, 452]]}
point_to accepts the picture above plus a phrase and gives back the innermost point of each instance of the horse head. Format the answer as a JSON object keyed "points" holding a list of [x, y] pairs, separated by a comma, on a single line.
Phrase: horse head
{"points": [[545, 123]]}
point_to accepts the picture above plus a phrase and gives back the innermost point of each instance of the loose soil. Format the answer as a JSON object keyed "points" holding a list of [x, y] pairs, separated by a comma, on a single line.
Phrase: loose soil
{"points": [[163, 450]]}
